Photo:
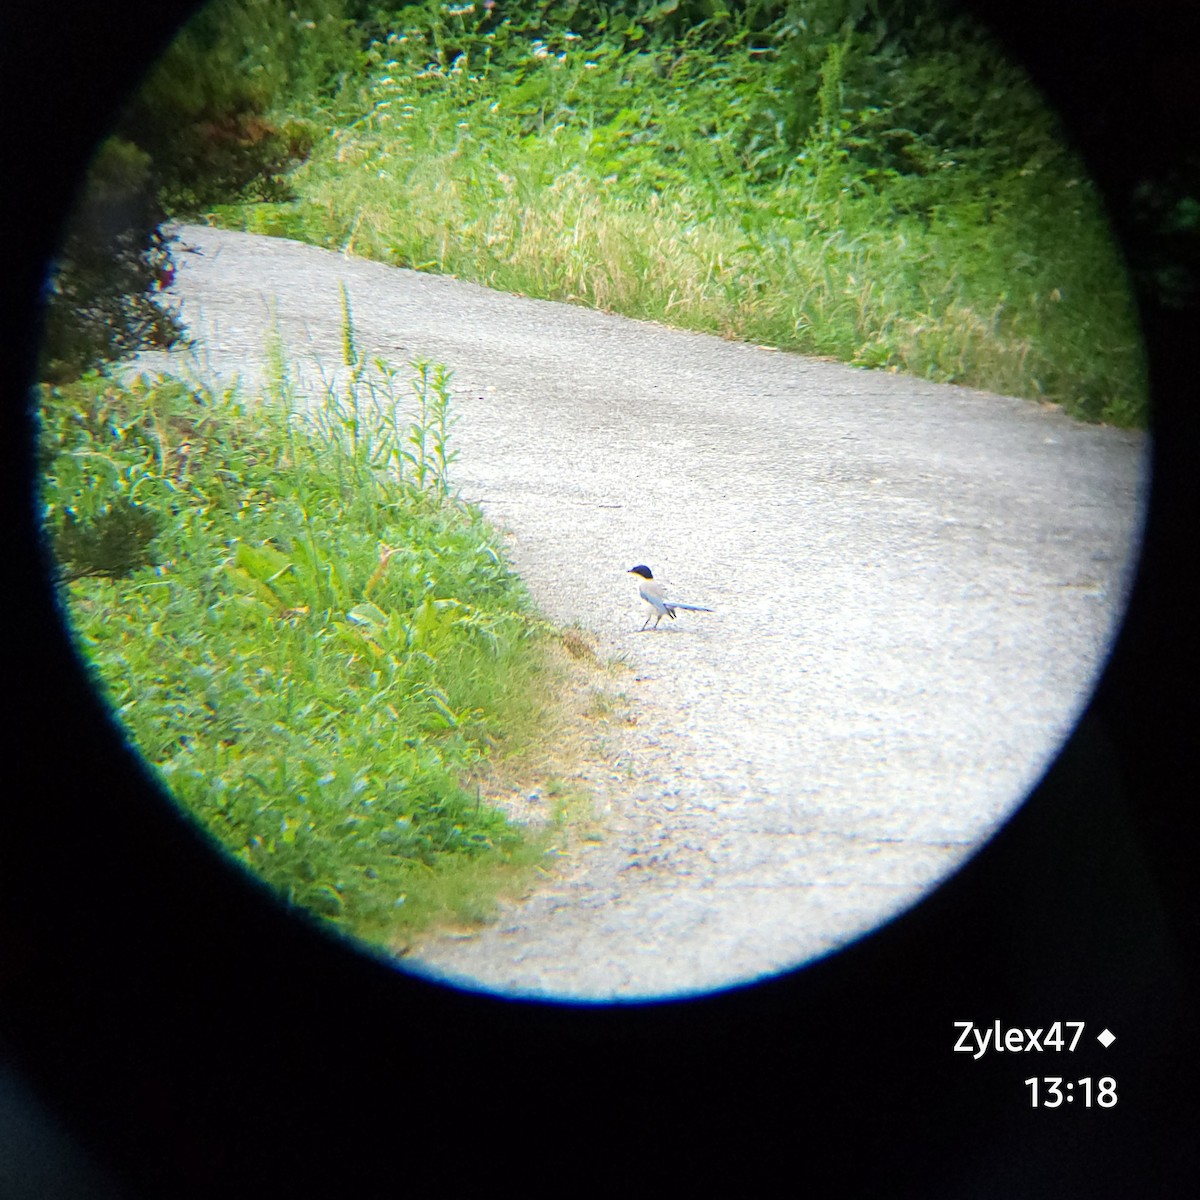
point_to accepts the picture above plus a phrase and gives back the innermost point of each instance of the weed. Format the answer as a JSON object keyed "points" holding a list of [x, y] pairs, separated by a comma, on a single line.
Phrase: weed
{"points": [[313, 643]]}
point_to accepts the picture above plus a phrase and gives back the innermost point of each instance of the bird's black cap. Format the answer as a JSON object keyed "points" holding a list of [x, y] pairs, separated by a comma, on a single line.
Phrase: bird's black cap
{"points": [[641, 570]]}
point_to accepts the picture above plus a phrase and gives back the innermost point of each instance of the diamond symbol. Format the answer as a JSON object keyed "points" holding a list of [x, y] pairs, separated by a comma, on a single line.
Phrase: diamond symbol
{"points": [[1106, 1038]]}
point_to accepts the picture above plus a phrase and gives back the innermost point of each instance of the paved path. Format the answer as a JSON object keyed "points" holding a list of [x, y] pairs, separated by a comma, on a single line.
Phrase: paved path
{"points": [[915, 586]]}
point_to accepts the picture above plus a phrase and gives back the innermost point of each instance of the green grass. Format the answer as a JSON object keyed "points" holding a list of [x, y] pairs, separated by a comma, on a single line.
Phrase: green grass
{"points": [[638, 183], [322, 653]]}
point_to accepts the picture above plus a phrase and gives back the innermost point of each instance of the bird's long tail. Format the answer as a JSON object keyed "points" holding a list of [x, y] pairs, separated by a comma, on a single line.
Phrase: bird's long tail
{"points": [[688, 607]]}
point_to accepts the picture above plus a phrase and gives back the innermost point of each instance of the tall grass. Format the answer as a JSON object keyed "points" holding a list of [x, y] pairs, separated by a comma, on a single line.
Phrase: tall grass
{"points": [[315, 645], [637, 183]]}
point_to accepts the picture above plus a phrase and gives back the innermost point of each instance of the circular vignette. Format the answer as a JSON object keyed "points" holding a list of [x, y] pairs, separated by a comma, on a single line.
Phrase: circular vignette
{"points": [[179, 1023]]}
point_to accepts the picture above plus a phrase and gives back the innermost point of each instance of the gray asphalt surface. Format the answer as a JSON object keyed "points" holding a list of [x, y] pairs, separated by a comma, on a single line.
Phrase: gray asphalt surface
{"points": [[915, 588]]}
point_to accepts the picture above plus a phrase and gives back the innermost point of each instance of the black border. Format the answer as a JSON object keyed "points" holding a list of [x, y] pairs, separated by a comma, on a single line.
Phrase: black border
{"points": [[194, 1039]]}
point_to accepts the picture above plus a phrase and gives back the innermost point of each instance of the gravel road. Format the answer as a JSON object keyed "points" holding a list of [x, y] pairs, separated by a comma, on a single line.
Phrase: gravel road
{"points": [[914, 585]]}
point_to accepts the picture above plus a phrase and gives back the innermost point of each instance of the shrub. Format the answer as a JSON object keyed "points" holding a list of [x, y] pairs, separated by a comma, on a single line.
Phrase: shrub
{"points": [[311, 640], [101, 299]]}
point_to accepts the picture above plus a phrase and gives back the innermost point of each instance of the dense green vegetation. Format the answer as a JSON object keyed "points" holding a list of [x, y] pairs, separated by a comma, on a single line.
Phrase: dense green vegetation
{"points": [[864, 179], [873, 182], [317, 648]]}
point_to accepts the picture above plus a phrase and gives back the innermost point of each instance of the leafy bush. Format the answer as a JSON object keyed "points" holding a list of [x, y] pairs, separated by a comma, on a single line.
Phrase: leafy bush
{"points": [[324, 647], [101, 301], [197, 133], [204, 114]]}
